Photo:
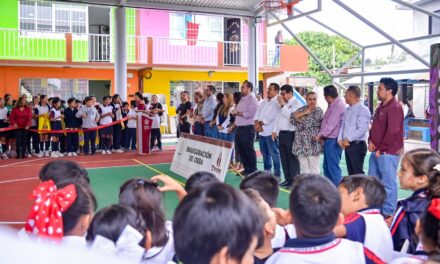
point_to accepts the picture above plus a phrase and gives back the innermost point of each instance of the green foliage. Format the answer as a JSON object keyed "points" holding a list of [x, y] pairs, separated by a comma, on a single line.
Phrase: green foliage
{"points": [[322, 45]]}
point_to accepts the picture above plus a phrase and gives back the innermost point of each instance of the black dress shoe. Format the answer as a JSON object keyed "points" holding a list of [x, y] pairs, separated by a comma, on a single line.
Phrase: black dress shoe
{"points": [[285, 183]]}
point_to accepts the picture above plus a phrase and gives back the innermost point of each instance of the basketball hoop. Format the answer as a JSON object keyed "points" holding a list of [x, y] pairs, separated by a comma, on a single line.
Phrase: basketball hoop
{"points": [[279, 6]]}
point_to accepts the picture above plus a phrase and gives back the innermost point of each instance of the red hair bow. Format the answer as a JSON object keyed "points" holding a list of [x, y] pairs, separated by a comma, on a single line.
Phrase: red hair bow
{"points": [[434, 208], [45, 218]]}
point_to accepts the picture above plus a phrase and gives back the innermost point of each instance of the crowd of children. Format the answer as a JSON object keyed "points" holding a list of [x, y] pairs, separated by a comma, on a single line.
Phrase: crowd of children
{"points": [[48, 127], [215, 223]]}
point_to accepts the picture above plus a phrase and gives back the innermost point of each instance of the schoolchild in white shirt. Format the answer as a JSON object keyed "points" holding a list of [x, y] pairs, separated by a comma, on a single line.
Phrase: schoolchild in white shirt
{"points": [[130, 134], [106, 117], [362, 197], [315, 206], [266, 185]]}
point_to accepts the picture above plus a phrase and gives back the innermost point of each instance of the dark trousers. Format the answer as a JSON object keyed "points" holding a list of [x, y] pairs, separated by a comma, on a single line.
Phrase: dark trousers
{"points": [[355, 156], [199, 129], [62, 139], [72, 142], [20, 144], [122, 141], [184, 128], [130, 136], [90, 140], [155, 134], [117, 130], [244, 140], [289, 161], [34, 139]]}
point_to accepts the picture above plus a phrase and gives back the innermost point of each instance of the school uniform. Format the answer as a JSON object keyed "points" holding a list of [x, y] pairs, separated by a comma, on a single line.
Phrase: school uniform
{"points": [[160, 255], [325, 250], [72, 122], [155, 126], [117, 128], [3, 120], [55, 123], [282, 234], [409, 260], [124, 131], [402, 227], [22, 119], [74, 242], [43, 110], [105, 109], [4, 124], [88, 122], [130, 136], [33, 137], [368, 227]]}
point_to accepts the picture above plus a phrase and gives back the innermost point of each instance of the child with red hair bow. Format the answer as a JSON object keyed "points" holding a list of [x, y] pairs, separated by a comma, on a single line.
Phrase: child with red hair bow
{"points": [[60, 213]]}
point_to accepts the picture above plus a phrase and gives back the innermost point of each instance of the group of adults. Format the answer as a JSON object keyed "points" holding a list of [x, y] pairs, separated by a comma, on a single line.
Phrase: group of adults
{"points": [[292, 136]]}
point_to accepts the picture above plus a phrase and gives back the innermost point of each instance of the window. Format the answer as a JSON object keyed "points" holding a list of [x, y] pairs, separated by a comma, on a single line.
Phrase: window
{"points": [[63, 88], [210, 27], [176, 87], [434, 24], [51, 17]]}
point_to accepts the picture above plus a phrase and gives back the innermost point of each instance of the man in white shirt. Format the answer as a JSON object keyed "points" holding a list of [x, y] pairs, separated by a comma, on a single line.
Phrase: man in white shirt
{"points": [[264, 124], [284, 130]]}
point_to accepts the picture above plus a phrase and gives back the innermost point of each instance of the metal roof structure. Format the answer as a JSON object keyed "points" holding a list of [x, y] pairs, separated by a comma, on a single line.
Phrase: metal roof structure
{"points": [[374, 32]]}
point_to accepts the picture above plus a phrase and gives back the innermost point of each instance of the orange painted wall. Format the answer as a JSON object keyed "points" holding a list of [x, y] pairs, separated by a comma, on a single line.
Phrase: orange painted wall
{"points": [[10, 77]]}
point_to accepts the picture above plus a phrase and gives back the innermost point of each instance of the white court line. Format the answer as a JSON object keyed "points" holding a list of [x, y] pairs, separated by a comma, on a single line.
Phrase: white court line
{"points": [[12, 223], [136, 165], [17, 180], [16, 163]]}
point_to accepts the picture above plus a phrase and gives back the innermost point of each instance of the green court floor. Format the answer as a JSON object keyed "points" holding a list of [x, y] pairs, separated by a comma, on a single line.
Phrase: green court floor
{"points": [[106, 182]]}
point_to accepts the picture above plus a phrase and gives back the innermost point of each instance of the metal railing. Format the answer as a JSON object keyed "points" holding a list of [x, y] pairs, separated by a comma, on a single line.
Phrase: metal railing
{"points": [[185, 52], [49, 46], [236, 54], [100, 48], [32, 45]]}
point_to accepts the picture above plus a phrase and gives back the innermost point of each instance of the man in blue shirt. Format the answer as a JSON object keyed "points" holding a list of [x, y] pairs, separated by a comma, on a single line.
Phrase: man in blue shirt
{"points": [[208, 111], [354, 131]]}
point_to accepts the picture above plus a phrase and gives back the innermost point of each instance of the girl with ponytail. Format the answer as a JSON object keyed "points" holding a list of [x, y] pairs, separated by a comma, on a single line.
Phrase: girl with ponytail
{"points": [[420, 173]]}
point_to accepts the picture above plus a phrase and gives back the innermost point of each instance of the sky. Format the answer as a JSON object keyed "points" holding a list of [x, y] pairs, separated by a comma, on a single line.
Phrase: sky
{"points": [[396, 22]]}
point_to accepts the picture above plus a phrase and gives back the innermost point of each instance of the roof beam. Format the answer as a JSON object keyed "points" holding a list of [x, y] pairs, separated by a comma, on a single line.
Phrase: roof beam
{"points": [[417, 8], [171, 7], [403, 41], [379, 73], [348, 63], [380, 31]]}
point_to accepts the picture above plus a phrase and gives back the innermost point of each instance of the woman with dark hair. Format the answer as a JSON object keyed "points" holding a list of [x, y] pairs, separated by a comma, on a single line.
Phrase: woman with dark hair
{"points": [[21, 117]]}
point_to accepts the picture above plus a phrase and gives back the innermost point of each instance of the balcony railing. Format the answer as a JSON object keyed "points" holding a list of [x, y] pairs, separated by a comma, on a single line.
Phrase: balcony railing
{"points": [[48, 46]]}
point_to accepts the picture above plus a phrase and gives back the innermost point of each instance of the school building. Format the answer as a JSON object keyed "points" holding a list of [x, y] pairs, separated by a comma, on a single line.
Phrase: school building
{"points": [[65, 49]]}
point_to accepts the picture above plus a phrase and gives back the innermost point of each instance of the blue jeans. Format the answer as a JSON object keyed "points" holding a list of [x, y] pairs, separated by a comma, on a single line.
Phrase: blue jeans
{"points": [[199, 129], [210, 131], [385, 169], [332, 157], [270, 151]]}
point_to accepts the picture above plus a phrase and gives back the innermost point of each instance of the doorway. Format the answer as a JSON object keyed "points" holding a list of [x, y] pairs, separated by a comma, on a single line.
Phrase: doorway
{"points": [[99, 88]]}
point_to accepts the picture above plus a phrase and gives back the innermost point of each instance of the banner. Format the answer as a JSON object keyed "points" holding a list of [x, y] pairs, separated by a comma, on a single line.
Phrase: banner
{"points": [[434, 104], [197, 153], [143, 133]]}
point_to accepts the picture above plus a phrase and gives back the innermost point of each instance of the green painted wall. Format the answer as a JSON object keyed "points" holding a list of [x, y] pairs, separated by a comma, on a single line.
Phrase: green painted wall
{"points": [[9, 14], [15, 46]]}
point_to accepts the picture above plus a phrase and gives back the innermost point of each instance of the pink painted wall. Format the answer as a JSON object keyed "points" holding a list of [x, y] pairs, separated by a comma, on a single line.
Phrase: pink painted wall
{"points": [[154, 23]]}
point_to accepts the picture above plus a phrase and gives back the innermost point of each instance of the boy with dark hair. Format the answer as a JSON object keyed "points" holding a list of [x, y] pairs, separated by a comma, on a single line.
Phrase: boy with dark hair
{"points": [[362, 197], [266, 185], [90, 117], [216, 224], [314, 207], [200, 178]]}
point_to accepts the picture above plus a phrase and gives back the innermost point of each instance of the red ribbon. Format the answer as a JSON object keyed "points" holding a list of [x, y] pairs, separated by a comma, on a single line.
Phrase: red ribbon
{"points": [[434, 208], [45, 218], [62, 131]]}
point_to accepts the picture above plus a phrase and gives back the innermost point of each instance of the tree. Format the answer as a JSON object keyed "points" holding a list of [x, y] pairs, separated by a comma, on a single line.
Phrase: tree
{"points": [[322, 45]]}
